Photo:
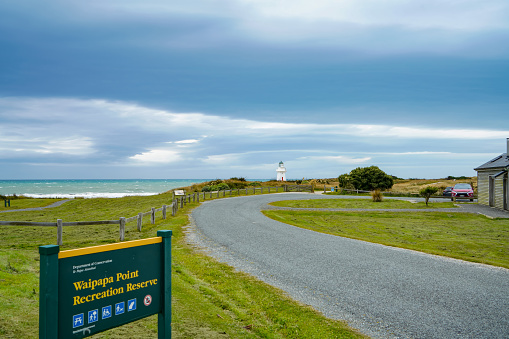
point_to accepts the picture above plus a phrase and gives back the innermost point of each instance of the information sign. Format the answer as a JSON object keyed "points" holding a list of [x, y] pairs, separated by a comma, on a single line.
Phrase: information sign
{"points": [[90, 290]]}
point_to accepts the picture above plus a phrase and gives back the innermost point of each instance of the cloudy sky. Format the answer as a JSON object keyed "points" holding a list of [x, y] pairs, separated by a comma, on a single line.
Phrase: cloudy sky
{"points": [[222, 88]]}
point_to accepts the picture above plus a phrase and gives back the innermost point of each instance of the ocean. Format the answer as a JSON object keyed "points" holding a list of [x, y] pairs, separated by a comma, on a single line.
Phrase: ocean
{"points": [[92, 188]]}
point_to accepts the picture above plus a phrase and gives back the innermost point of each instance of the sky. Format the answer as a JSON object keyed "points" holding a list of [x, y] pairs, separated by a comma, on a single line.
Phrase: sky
{"points": [[229, 88]]}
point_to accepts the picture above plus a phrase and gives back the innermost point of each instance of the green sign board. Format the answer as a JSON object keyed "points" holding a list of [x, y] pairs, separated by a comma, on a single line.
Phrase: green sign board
{"points": [[89, 290]]}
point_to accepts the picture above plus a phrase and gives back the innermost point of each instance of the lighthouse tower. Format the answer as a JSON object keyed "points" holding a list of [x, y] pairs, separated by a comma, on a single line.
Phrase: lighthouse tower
{"points": [[281, 172]]}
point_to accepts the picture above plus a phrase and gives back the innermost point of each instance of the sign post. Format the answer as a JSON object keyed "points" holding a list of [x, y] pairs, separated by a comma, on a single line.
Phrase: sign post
{"points": [[164, 317], [89, 290]]}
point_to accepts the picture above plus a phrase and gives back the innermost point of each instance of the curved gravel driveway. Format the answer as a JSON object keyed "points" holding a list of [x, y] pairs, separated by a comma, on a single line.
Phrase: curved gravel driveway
{"points": [[384, 292]]}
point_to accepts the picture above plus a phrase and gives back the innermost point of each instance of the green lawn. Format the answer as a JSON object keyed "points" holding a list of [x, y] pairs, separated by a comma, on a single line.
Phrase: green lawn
{"points": [[26, 203], [209, 299], [359, 203], [456, 235]]}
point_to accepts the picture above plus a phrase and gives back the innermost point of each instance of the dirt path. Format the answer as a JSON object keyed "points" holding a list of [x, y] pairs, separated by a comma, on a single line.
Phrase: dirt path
{"points": [[55, 204]]}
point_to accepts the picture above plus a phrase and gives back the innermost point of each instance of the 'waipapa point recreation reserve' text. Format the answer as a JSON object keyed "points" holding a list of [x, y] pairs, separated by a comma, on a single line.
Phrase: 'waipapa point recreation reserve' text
{"points": [[103, 282]]}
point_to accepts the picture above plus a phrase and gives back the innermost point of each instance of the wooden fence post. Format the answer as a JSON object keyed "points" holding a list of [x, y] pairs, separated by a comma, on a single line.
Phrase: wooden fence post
{"points": [[181, 202], [60, 232], [173, 209], [153, 216], [198, 197], [164, 211], [140, 220], [122, 229]]}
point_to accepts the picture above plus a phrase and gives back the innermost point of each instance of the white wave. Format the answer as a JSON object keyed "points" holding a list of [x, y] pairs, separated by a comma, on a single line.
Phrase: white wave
{"points": [[86, 195]]}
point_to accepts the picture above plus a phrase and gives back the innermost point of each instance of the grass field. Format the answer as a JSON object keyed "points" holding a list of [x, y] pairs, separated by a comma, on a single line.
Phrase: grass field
{"points": [[359, 203], [456, 235], [209, 299], [26, 203]]}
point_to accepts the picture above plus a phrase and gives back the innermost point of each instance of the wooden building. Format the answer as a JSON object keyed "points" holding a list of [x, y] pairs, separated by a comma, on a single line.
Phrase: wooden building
{"points": [[492, 182]]}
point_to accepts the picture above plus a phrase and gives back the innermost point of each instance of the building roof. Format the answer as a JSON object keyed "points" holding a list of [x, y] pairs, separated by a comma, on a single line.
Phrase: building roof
{"points": [[502, 161]]}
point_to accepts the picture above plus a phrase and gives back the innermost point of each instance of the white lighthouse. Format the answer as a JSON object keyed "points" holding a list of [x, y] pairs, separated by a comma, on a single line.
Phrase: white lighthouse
{"points": [[281, 172]]}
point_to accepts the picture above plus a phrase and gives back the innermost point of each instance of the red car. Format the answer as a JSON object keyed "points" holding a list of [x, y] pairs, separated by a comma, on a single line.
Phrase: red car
{"points": [[462, 191]]}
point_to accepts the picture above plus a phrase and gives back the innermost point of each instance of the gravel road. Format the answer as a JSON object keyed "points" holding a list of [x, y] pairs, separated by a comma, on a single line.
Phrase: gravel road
{"points": [[382, 291]]}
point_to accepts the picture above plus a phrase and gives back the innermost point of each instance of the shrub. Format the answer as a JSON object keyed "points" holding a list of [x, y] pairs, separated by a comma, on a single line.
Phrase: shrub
{"points": [[222, 187], [427, 192], [366, 179], [345, 181], [236, 184], [377, 195]]}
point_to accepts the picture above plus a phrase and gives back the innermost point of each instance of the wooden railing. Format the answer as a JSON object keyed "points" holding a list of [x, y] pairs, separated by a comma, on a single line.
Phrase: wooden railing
{"points": [[196, 196], [299, 188], [178, 202], [121, 222]]}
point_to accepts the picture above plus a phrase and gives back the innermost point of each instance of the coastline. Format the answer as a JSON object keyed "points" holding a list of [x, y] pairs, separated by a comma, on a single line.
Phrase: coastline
{"points": [[91, 188]]}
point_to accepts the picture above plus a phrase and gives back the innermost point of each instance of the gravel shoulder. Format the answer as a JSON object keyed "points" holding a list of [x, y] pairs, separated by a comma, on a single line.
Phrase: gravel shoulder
{"points": [[384, 292]]}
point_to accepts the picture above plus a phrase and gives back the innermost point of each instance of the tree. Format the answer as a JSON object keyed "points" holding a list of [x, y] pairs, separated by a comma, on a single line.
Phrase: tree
{"points": [[427, 192], [345, 181], [367, 178]]}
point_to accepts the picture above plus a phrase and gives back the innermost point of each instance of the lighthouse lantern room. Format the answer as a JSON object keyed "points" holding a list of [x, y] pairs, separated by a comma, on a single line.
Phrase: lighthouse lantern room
{"points": [[281, 172]]}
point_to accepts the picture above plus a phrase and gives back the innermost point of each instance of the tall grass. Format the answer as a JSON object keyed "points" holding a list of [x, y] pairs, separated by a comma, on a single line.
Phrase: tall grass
{"points": [[377, 196]]}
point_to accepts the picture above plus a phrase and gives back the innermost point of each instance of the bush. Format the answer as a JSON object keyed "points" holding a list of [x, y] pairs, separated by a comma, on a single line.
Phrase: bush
{"points": [[345, 181], [236, 184], [219, 187], [302, 182], [377, 195], [366, 179], [222, 187], [427, 192]]}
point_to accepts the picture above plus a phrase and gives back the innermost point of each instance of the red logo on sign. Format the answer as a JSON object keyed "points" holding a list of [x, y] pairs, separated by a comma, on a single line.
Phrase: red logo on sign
{"points": [[147, 300]]}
